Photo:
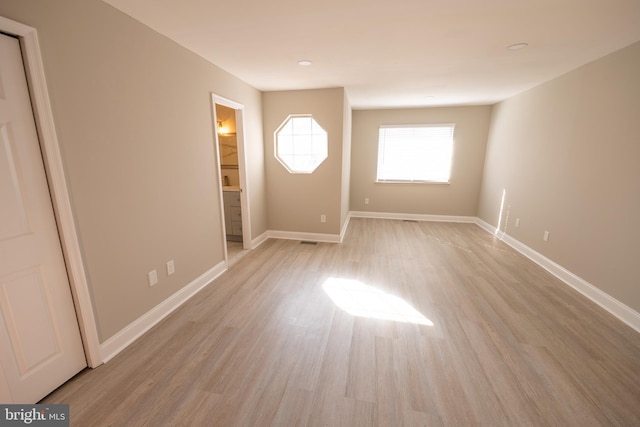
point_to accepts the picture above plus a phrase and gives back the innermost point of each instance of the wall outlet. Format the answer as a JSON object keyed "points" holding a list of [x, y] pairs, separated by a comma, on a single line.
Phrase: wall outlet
{"points": [[366, 200], [171, 268], [153, 277], [323, 218], [517, 222], [545, 236]]}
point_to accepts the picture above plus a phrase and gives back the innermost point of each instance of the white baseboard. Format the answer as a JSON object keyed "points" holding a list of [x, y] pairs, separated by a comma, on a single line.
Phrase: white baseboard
{"points": [[344, 227], [134, 330], [259, 240], [604, 300], [413, 217], [313, 237], [488, 227], [337, 238]]}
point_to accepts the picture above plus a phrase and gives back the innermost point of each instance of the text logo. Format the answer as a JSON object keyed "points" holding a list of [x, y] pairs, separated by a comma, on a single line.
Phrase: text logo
{"points": [[34, 415]]}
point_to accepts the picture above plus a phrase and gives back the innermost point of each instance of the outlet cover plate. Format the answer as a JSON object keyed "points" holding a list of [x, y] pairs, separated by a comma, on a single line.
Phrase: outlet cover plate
{"points": [[153, 277]]}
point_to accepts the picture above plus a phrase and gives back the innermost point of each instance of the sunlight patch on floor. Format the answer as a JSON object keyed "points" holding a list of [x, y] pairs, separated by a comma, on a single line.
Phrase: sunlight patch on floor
{"points": [[362, 300]]}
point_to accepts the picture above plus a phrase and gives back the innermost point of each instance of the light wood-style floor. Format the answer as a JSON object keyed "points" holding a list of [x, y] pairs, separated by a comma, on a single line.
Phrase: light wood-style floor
{"points": [[264, 345], [235, 251]]}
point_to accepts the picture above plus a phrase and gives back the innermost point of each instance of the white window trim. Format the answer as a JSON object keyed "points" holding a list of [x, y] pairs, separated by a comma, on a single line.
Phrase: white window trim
{"points": [[415, 181], [275, 144]]}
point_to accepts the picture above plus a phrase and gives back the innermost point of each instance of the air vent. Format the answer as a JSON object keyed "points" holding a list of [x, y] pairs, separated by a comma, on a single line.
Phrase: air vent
{"points": [[306, 242], [409, 220]]}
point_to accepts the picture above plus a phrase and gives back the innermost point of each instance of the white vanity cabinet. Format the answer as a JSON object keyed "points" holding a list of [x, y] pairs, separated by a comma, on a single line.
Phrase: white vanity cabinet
{"points": [[232, 215]]}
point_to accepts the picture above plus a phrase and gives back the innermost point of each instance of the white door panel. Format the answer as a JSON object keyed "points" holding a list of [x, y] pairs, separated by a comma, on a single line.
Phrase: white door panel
{"points": [[32, 333], [40, 344], [13, 218]]}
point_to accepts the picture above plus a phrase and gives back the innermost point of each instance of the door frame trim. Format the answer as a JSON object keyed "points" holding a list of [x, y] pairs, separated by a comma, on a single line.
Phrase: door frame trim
{"points": [[242, 169], [52, 159]]}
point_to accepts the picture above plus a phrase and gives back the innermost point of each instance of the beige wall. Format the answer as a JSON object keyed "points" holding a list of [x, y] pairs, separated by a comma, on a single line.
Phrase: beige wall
{"points": [[346, 161], [133, 114], [459, 198], [296, 201], [566, 153]]}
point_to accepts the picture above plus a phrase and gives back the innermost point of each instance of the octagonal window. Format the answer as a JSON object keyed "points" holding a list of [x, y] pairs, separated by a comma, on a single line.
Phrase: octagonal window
{"points": [[301, 144]]}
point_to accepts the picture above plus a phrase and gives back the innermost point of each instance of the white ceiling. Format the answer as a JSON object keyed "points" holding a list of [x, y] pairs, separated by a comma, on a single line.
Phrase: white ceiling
{"points": [[399, 53]]}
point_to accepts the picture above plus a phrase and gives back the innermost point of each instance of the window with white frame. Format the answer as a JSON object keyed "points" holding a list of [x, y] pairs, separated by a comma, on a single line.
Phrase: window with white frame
{"points": [[415, 153], [301, 144]]}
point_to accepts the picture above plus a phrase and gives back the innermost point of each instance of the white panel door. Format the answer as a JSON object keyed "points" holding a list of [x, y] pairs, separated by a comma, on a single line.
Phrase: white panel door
{"points": [[40, 344]]}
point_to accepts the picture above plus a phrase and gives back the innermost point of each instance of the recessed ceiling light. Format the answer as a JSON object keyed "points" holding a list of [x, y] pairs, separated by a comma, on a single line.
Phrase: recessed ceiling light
{"points": [[304, 62], [517, 46]]}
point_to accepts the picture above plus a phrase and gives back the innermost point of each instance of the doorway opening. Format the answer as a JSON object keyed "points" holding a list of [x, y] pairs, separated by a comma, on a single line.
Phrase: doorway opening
{"points": [[229, 133]]}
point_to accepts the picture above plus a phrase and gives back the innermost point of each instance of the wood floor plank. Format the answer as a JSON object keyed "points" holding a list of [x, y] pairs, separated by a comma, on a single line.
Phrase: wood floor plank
{"points": [[266, 345], [361, 385], [330, 391]]}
